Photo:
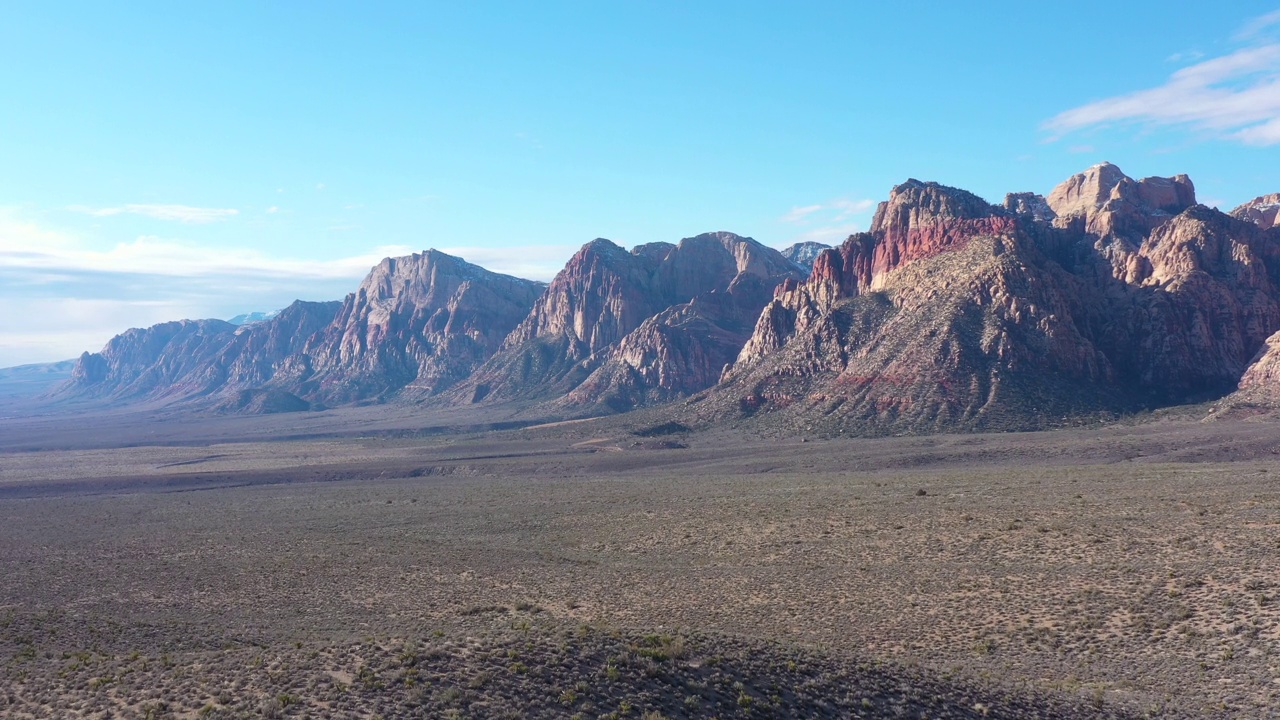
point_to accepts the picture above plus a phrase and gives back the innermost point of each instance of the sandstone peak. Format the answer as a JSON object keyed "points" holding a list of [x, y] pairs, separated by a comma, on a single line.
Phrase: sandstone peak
{"points": [[917, 204], [1108, 202], [1086, 192], [1263, 211]]}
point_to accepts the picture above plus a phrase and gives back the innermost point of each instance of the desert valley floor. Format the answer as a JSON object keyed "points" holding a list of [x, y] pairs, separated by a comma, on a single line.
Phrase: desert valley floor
{"points": [[366, 566]]}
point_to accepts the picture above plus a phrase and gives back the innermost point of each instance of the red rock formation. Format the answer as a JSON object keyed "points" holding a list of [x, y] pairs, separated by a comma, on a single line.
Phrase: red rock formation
{"points": [[921, 220], [1123, 289]]}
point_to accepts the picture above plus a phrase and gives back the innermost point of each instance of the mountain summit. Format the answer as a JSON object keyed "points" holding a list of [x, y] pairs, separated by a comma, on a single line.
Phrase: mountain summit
{"points": [[950, 313]]}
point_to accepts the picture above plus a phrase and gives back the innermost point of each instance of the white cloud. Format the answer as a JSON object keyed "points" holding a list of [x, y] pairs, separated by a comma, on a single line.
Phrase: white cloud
{"points": [[798, 214], [1187, 56], [827, 235], [1257, 26], [25, 244], [1235, 96], [533, 262], [273, 210], [836, 210], [62, 297], [181, 213]]}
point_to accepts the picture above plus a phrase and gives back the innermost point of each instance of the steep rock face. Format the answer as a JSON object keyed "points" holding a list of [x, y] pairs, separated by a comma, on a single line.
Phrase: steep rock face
{"points": [[975, 338], [262, 347], [1262, 378], [804, 253], [1049, 314], [169, 360], [1206, 301], [421, 322], [618, 328], [921, 220], [687, 346], [1262, 211], [191, 359], [603, 293], [1107, 202]]}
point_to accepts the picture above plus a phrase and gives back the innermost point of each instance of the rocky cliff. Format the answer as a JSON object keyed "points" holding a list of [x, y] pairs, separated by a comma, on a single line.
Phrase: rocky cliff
{"points": [[416, 324], [191, 359], [1110, 294], [618, 328], [171, 360]]}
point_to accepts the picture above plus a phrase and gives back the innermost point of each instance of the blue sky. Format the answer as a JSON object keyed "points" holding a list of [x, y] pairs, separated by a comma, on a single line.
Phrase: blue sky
{"points": [[167, 160]]}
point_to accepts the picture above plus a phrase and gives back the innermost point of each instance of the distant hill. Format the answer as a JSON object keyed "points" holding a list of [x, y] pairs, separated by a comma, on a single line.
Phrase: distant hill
{"points": [[23, 381]]}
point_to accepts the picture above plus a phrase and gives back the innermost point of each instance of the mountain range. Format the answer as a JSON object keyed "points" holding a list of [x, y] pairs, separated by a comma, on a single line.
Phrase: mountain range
{"points": [[1107, 296]]}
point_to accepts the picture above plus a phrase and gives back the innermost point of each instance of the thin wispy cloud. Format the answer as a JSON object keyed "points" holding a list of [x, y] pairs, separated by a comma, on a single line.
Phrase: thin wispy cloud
{"points": [[1234, 96], [834, 211], [179, 213], [1258, 26], [827, 235], [829, 222], [1186, 56]]}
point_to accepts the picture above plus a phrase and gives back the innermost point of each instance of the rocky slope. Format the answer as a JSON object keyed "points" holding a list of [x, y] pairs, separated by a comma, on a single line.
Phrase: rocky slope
{"points": [[416, 324], [1109, 295], [191, 359], [618, 328], [169, 360]]}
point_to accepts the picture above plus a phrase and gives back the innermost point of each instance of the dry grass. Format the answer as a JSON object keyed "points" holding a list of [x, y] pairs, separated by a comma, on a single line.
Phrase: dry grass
{"points": [[1107, 581]]}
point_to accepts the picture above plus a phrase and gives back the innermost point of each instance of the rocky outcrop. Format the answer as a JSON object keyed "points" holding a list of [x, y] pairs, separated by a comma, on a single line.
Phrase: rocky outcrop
{"points": [[804, 253], [261, 348], [1107, 202], [949, 313], [618, 328], [1205, 300], [1263, 373], [1109, 295], [1029, 206], [416, 324], [172, 360], [919, 221], [1262, 211]]}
